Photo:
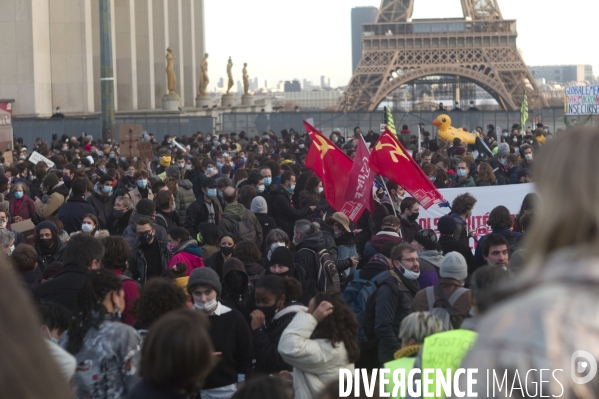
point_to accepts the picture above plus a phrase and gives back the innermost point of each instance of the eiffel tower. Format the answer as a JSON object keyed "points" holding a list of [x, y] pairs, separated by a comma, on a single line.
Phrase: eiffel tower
{"points": [[479, 48]]}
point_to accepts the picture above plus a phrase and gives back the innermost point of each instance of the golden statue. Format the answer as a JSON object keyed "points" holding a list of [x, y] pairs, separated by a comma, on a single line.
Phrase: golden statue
{"points": [[230, 75], [170, 72], [246, 80], [204, 77]]}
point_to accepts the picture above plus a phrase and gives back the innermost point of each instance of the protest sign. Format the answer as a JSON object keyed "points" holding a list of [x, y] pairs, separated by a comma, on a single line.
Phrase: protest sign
{"points": [[129, 136], [510, 196], [145, 150], [8, 158], [35, 157], [582, 100]]}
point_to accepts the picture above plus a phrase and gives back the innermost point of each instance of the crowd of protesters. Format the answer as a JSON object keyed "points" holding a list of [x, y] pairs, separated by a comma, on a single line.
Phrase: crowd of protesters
{"points": [[219, 263]]}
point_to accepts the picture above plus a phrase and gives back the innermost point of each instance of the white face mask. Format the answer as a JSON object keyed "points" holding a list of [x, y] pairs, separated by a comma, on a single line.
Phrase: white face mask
{"points": [[410, 275], [206, 307], [87, 228]]}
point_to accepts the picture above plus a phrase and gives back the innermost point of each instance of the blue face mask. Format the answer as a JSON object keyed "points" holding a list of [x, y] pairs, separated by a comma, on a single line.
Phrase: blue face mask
{"points": [[220, 165], [142, 183], [111, 156], [462, 172], [502, 162], [291, 188], [211, 192], [267, 181], [209, 170], [18, 194], [107, 189]]}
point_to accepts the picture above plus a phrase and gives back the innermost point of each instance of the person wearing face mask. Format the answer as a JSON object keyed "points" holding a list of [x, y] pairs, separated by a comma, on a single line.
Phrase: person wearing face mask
{"points": [[390, 204], [237, 292], [453, 274], [464, 178], [229, 332], [211, 170], [55, 321], [151, 256], [275, 309], [429, 257], [109, 349], [48, 246], [206, 208], [282, 208], [21, 206], [89, 225], [527, 154], [141, 190], [102, 199], [184, 249], [312, 194], [217, 260], [410, 209], [7, 242]]}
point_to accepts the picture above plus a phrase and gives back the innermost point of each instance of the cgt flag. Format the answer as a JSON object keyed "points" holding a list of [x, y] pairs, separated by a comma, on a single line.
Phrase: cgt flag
{"points": [[390, 159], [361, 179], [332, 166]]}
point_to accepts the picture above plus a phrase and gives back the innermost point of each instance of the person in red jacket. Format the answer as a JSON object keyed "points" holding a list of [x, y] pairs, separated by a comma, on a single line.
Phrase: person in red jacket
{"points": [[21, 206], [184, 249]]}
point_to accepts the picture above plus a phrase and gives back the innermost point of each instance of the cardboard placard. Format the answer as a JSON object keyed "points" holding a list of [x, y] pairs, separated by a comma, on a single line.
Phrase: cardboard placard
{"points": [[35, 157], [8, 158], [129, 136], [145, 150], [23, 226]]}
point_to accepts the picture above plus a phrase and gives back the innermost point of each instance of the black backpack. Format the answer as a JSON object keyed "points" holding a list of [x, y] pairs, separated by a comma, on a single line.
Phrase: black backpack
{"points": [[243, 229], [328, 275]]}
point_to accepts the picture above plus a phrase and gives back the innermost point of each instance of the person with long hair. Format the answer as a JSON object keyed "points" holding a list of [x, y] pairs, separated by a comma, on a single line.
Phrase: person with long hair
{"points": [[529, 204], [176, 358], [116, 254], [207, 238], [485, 176], [107, 351], [312, 194], [318, 343], [246, 194], [166, 214], [89, 225]]}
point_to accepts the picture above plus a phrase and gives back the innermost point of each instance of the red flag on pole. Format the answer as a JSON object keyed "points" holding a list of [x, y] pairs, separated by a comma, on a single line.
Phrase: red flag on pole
{"points": [[390, 159], [332, 166], [361, 178]]}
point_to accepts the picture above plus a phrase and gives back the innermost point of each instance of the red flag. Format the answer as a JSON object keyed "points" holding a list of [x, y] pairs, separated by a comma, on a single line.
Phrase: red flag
{"points": [[332, 166], [361, 178], [390, 159]]}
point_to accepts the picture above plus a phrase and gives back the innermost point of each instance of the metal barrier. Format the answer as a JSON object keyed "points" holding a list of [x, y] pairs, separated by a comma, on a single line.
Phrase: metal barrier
{"points": [[29, 129], [256, 123]]}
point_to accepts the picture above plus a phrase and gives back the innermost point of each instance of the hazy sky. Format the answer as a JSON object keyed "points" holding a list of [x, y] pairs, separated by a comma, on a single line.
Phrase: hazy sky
{"points": [[282, 40]]}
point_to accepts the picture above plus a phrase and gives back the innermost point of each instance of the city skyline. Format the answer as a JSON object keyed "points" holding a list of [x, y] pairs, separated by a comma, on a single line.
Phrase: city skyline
{"points": [[319, 42]]}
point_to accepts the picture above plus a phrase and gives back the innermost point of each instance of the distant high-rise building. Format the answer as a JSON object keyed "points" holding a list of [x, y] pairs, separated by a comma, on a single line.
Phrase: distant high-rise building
{"points": [[325, 82], [359, 16], [292, 86], [563, 74], [221, 83]]}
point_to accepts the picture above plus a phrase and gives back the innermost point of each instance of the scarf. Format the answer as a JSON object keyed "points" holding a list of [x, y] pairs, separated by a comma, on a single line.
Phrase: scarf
{"points": [[408, 351]]}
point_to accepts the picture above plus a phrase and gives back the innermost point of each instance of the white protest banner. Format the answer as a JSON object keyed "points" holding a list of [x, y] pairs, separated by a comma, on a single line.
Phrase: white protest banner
{"points": [[35, 157], [582, 100], [510, 196]]}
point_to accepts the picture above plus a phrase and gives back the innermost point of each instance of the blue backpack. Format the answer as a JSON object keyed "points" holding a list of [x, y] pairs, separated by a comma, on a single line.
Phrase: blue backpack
{"points": [[357, 295]]}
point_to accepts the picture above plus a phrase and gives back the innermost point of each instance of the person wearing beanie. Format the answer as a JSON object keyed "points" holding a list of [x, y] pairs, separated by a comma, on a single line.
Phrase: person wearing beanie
{"points": [[453, 272], [499, 164], [260, 209], [229, 332], [281, 263], [447, 227], [206, 208], [55, 194], [72, 212], [426, 244], [184, 196]]}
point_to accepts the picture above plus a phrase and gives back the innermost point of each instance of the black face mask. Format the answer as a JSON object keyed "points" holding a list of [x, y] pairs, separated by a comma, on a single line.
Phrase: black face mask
{"points": [[46, 243], [236, 282], [226, 250], [269, 312], [413, 216], [118, 213], [146, 239]]}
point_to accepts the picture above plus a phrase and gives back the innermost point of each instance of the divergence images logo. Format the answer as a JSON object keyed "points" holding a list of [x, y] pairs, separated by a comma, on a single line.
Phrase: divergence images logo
{"points": [[583, 362]]}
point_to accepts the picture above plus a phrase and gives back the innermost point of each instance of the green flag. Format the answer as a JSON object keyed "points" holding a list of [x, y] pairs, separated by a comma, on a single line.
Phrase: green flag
{"points": [[389, 121], [524, 111]]}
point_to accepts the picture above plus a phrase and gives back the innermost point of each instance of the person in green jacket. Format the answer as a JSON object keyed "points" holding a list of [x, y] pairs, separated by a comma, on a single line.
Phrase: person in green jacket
{"points": [[464, 178]]}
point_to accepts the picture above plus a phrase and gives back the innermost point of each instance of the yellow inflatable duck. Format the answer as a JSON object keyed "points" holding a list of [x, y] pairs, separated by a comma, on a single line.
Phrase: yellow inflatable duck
{"points": [[448, 133]]}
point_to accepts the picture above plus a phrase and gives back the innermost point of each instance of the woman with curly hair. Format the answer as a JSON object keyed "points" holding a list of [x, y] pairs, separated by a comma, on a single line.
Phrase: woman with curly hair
{"points": [[250, 255], [318, 343], [116, 254], [107, 351], [158, 297], [485, 176]]}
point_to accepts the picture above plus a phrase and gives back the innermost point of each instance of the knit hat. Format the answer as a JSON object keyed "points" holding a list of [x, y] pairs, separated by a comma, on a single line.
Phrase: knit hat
{"points": [[341, 219], [203, 276], [173, 171], [281, 256], [460, 151], [208, 182], [446, 225], [503, 147], [259, 205], [427, 238], [45, 225], [50, 181], [502, 154], [453, 265]]}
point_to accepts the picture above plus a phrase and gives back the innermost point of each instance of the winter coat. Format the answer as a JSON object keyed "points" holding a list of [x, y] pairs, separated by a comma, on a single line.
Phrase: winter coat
{"points": [[315, 362], [267, 359], [72, 212], [543, 321], [267, 223], [307, 198], [135, 195], [216, 262], [450, 244], [461, 229], [62, 289], [57, 195], [409, 229], [283, 211], [242, 299], [448, 286], [237, 212], [305, 258], [254, 270], [131, 290], [117, 227], [430, 263], [376, 242], [138, 265], [168, 220], [26, 208], [198, 213], [185, 197], [102, 205], [131, 236], [108, 362], [43, 260], [467, 182], [513, 174], [189, 253]]}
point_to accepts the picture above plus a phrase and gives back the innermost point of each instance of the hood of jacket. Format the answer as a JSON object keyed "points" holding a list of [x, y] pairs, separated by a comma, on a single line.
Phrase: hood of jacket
{"points": [[382, 237], [189, 246], [252, 268], [232, 267], [291, 309], [186, 184], [60, 188], [312, 241], [235, 210], [433, 257]]}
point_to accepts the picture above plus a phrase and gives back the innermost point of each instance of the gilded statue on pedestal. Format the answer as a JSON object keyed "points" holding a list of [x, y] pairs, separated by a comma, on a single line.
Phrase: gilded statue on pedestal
{"points": [[204, 77], [246, 80], [230, 75], [170, 72]]}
